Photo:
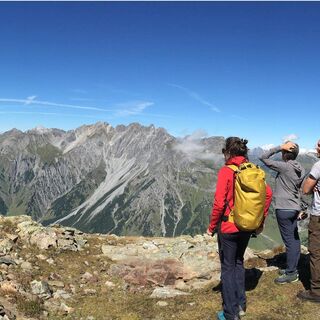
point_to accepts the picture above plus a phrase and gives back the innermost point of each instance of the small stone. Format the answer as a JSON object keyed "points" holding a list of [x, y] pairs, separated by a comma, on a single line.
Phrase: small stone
{"points": [[162, 303], [12, 237], [90, 291], [50, 261], [6, 246], [61, 294], [166, 292], [87, 276], [41, 257], [66, 309], [110, 284], [56, 283], [41, 288], [7, 261], [26, 266]]}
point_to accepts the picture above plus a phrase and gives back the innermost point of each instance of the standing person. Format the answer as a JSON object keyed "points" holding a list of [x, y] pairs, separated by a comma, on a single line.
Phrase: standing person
{"points": [[232, 241], [290, 175], [312, 185]]}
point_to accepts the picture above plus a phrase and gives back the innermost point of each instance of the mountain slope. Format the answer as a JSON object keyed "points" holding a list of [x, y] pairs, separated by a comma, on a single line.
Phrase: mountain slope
{"points": [[124, 180]]}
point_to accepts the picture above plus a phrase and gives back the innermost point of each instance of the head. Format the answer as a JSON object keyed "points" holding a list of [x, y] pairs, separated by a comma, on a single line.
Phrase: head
{"points": [[318, 148], [235, 146], [290, 155]]}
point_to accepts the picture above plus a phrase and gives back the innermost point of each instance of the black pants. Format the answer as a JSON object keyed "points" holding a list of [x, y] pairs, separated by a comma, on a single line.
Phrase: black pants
{"points": [[232, 247], [287, 221]]}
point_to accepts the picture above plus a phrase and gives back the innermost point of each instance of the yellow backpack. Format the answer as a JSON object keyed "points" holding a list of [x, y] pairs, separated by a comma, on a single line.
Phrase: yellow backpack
{"points": [[249, 196]]}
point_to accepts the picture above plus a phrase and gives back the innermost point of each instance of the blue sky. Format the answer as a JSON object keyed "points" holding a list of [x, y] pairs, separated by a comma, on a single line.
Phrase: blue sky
{"points": [[250, 69]]}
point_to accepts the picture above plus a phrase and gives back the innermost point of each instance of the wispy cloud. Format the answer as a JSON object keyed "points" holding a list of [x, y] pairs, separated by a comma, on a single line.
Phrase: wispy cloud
{"points": [[290, 137], [119, 110], [133, 108], [50, 114], [196, 97], [32, 101]]}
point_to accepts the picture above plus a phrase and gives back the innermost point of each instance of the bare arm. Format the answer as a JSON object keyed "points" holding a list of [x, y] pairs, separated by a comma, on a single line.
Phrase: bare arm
{"points": [[309, 184]]}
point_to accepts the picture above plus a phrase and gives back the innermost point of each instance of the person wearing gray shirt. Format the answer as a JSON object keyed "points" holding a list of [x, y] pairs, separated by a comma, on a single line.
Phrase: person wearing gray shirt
{"points": [[290, 175], [312, 186]]}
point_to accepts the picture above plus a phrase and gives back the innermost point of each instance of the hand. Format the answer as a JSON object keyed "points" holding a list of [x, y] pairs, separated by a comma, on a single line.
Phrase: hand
{"points": [[288, 146], [209, 233]]}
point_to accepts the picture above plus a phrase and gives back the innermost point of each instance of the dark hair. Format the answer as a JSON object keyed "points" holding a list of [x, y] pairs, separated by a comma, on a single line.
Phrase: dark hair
{"points": [[290, 155], [236, 147]]}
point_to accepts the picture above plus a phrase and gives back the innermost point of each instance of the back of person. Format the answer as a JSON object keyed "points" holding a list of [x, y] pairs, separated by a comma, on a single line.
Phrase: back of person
{"points": [[290, 175], [312, 186], [232, 241], [287, 191]]}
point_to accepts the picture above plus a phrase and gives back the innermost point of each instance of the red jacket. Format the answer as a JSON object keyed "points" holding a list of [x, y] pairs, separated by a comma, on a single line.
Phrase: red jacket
{"points": [[224, 195]]}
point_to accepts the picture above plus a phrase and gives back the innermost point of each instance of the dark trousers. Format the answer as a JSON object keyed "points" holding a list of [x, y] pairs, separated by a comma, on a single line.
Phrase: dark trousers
{"points": [[232, 247], [287, 221], [314, 250]]}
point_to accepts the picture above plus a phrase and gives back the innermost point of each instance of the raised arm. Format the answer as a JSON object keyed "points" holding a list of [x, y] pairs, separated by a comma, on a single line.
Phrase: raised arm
{"points": [[276, 165]]}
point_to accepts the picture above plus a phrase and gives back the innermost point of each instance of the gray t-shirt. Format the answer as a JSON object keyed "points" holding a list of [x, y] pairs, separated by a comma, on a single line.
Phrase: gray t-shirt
{"points": [[315, 172]]}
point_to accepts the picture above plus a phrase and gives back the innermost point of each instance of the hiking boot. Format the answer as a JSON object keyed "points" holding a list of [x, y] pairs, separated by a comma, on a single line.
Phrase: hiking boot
{"points": [[283, 271], [308, 296], [287, 278], [220, 316], [242, 311]]}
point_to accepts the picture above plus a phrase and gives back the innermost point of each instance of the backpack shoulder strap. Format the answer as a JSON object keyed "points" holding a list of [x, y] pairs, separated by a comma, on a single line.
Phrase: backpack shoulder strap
{"points": [[233, 167]]}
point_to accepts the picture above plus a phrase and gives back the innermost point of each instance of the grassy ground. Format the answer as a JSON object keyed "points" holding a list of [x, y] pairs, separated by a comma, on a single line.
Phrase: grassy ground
{"points": [[266, 300]]}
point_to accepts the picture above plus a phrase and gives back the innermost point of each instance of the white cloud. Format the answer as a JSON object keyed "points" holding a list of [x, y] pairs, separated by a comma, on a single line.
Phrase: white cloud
{"points": [[304, 150], [196, 96], [290, 137], [193, 147], [267, 146], [133, 108], [30, 99]]}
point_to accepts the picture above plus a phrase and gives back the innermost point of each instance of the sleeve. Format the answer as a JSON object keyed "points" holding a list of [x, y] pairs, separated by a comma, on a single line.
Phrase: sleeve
{"points": [[268, 200], [278, 166], [220, 197], [315, 171]]}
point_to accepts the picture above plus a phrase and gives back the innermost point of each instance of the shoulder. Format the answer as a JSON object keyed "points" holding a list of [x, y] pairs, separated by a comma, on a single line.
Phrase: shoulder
{"points": [[226, 172], [316, 166], [315, 170]]}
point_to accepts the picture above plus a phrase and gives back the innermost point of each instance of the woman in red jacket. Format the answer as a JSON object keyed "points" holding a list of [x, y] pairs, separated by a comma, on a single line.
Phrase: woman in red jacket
{"points": [[232, 241]]}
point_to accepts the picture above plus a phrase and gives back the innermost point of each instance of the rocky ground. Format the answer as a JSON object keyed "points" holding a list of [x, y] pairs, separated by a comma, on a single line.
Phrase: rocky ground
{"points": [[61, 273]]}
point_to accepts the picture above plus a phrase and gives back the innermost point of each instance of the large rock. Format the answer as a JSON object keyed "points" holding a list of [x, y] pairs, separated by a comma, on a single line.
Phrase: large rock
{"points": [[164, 261]]}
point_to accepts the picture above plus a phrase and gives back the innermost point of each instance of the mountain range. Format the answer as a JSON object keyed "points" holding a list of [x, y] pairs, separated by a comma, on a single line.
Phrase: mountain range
{"points": [[126, 180]]}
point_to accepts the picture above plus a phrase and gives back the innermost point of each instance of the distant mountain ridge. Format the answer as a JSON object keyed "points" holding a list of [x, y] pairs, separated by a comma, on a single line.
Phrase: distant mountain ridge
{"points": [[124, 180]]}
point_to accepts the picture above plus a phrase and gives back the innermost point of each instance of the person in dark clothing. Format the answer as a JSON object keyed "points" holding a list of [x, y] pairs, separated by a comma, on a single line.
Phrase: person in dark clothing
{"points": [[312, 186], [290, 175], [232, 241]]}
